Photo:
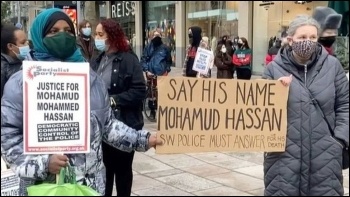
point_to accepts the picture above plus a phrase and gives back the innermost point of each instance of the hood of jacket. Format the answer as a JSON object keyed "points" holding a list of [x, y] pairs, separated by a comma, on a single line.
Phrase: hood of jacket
{"points": [[197, 35], [10, 60]]}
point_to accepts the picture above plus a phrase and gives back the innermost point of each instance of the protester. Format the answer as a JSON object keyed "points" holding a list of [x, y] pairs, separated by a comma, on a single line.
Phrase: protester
{"points": [[273, 51], [330, 22], [54, 40], [204, 44], [195, 37], [223, 61], [312, 162], [242, 59], [156, 60], [14, 49], [121, 72], [86, 42]]}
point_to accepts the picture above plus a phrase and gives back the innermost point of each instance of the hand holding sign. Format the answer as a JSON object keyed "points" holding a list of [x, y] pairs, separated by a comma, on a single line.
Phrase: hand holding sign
{"points": [[56, 162], [153, 141]]}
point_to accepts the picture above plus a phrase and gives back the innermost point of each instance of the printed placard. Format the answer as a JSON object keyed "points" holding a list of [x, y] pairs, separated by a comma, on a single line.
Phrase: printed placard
{"points": [[202, 115], [203, 61], [9, 181], [56, 104]]}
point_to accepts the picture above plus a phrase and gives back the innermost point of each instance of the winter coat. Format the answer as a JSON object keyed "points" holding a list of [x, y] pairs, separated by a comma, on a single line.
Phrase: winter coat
{"points": [[312, 162], [9, 66], [89, 168], [156, 60], [224, 64], [127, 86]]}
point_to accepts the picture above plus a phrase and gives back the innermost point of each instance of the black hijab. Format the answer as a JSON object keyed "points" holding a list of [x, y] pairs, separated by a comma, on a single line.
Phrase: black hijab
{"points": [[56, 17]]}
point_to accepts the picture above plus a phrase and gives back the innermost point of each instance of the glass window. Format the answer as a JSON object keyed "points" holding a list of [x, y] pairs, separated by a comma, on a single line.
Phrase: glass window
{"points": [[216, 18], [269, 21], [160, 14], [124, 13]]}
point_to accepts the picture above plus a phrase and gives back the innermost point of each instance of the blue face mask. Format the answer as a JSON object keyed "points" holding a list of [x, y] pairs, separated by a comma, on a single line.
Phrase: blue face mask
{"points": [[100, 44], [86, 31], [23, 52]]}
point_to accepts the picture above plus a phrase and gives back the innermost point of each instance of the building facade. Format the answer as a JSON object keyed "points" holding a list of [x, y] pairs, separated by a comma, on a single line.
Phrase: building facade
{"points": [[257, 21]]}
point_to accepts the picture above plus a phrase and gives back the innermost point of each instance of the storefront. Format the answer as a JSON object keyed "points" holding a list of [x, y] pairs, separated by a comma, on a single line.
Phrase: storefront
{"points": [[216, 18], [160, 15], [269, 21], [124, 13]]}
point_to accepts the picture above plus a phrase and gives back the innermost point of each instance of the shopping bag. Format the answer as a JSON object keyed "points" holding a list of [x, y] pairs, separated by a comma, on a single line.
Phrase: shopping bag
{"points": [[66, 186]]}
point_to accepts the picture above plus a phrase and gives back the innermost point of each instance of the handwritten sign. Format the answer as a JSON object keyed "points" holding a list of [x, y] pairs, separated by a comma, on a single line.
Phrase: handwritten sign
{"points": [[203, 61], [9, 181], [56, 107], [201, 115]]}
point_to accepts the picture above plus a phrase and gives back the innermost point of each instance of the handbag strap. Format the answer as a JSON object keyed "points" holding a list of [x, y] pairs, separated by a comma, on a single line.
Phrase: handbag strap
{"points": [[320, 111]]}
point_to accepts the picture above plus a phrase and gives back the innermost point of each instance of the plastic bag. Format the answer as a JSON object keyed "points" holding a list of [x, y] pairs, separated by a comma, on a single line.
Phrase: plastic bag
{"points": [[66, 186]]}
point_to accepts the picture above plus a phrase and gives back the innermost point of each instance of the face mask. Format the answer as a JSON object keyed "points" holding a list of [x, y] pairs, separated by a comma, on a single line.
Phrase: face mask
{"points": [[157, 41], [62, 45], [304, 49], [100, 44], [23, 52], [327, 41], [239, 45], [223, 50], [86, 31]]}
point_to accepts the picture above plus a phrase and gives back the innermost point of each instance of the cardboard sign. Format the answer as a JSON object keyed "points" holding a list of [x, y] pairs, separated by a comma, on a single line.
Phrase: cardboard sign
{"points": [[56, 104], [201, 115], [9, 181], [203, 61]]}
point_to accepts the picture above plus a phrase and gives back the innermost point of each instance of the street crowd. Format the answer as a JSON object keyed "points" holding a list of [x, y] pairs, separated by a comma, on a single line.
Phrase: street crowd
{"points": [[302, 58]]}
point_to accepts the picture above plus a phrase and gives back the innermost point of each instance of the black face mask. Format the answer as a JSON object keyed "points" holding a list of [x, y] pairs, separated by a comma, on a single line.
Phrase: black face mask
{"points": [[327, 41], [239, 45], [157, 41]]}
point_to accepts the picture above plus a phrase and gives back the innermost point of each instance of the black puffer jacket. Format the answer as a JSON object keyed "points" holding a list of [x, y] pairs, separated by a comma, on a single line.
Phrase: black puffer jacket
{"points": [[9, 66], [312, 162], [127, 88]]}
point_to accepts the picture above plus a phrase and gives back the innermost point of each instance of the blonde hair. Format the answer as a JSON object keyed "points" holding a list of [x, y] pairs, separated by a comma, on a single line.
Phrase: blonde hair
{"points": [[151, 33]]}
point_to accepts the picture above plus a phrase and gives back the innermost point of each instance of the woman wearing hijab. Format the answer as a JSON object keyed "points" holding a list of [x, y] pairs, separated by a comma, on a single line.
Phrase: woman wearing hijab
{"points": [[86, 41], [54, 40]]}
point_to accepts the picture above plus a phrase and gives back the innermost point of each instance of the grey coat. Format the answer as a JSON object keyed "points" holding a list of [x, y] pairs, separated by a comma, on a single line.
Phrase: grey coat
{"points": [[312, 162], [33, 169]]}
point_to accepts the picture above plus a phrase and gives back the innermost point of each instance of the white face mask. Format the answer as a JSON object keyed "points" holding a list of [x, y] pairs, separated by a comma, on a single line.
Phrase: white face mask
{"points": [[223, 49]]}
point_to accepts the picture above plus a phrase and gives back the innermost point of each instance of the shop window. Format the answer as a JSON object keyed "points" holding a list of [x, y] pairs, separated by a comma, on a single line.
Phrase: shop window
{"points": [[160, 14], [270, 21], [217, 19]]}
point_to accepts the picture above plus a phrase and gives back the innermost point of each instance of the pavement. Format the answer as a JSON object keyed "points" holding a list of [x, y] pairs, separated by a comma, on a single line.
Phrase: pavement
{"points": [[200, 174]]}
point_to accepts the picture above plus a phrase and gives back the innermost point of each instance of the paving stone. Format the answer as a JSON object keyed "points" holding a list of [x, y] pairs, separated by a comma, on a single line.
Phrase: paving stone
{"points": [[164, 173], [255, 157], [205, 170], [149, 165], [254, 171], [212, 157], [234, 164], [221, 191], [179, 160], [164, 190], [238, 181], [188, 182], [142, 182], [257, 192]]}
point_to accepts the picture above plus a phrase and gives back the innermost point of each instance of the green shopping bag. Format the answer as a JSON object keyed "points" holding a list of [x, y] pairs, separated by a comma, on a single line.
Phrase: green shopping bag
{"points": [[66, 186]]}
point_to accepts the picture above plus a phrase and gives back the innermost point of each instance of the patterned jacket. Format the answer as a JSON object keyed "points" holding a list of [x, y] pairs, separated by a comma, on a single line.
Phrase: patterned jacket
{"points": [[89, 168]]}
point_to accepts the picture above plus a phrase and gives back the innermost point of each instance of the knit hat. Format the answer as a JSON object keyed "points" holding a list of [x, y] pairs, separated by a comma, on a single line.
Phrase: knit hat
{"points": [[327, 18]]}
